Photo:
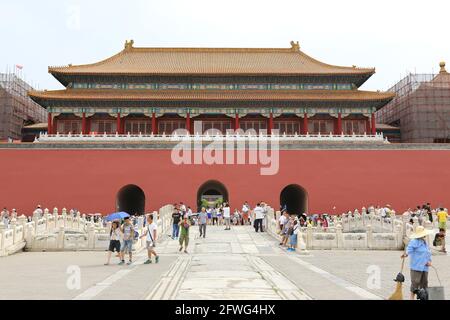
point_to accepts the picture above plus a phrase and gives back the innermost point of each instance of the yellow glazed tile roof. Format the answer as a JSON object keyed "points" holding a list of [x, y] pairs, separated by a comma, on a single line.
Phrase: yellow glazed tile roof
{"points": [[210, 61], [195, 95]]}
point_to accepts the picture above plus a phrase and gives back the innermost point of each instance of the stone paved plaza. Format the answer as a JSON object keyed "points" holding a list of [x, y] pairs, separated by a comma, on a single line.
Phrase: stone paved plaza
{"points": [[236, 264]]}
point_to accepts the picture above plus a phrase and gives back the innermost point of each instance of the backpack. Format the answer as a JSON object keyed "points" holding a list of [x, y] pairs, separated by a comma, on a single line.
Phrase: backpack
{"points": [[437, 240], [290, 231]]}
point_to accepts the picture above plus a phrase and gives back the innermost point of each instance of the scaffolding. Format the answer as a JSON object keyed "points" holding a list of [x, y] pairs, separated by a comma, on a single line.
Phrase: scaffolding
{"points": [[16, 108], [421, 108]]}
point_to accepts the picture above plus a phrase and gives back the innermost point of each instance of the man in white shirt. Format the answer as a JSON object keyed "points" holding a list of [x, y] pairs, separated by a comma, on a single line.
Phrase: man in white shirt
{"points": [[245, 213], [151, 234], [259, 213], [38, 212], [227, 216]]}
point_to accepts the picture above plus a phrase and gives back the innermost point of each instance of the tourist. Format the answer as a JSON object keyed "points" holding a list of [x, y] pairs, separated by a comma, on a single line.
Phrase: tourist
{"points": [[127, 230], [287, 227], [189, 212], [176, 217], [293, 232], [442, 217], [439, 240], [215, 221], [13, 214], [420, 260], [115, 237], [202, 221], [236, 217], [418, 214], [184, 234], [427, 210], [183, 208], [151, 234], [219, 210], [282, 220], [38, 212], [209, 215], [227, 216], [245, 213], [258, 213]]}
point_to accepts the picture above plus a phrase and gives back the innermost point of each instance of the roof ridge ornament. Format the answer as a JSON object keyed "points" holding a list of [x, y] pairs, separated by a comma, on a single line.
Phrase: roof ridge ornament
{"points": [[129, 44], [442, 65], [295, 46]]}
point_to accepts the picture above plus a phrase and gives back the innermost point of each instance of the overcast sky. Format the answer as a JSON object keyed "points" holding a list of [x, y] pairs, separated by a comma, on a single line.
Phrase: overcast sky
{"points": [[394, 36]]}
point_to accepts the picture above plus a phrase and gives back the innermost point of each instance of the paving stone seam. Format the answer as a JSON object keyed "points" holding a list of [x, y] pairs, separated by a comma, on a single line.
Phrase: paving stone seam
{"points": [[170, 282]]}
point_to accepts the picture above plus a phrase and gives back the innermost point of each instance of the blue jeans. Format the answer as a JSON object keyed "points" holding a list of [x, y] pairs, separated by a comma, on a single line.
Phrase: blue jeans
{"points": [[175, 231]]}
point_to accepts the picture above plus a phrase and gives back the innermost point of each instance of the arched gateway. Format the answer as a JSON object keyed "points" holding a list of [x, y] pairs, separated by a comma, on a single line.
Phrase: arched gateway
{"points": [[211, 192], [131, 199], [295, 198]]}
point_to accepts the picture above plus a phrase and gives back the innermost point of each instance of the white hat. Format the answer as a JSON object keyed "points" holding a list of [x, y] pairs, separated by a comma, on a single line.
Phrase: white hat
{"points": [[420, 233]]}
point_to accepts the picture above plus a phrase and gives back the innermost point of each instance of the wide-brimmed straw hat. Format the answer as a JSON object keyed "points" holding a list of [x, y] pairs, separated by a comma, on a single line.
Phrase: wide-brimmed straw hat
{"points": [[420, 233]]}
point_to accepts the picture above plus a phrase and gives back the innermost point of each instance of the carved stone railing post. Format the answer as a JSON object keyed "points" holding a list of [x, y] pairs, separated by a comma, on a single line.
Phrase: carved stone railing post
{"points": [[339, 236], [60, 239], [309, 237], [13, 224], [2, 238], [91, 235], [369, 236]]}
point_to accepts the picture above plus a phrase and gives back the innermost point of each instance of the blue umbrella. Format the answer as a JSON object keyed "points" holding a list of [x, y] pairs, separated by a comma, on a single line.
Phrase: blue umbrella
{"points": [[117, 216]]}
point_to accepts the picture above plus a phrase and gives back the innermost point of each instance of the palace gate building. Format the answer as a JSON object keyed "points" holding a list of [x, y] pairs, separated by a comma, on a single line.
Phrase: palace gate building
{"points": [[106, 141]]}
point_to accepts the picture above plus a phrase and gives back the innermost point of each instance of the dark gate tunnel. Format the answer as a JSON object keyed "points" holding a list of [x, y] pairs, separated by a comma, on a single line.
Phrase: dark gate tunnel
{"points": [[211, 187], [131, 199], [295, 198]]}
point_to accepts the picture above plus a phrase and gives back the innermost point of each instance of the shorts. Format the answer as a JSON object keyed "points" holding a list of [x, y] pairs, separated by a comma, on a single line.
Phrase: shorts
{"points": [[114, 245], [443, 225], [127, 246], [150, 245], [419, 280], [293, 240]]}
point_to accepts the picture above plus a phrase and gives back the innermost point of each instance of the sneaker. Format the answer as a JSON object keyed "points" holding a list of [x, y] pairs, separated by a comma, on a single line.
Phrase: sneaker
{"points": [[157, 259], [129, 262], [106, 264], [148, 261], [185, 251], [121, 263], [181, 248]]}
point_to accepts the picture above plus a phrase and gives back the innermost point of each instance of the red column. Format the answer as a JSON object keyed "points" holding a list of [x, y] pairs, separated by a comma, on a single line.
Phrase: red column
{"points": [[83, 123], [374, 125], [339, 124], [270, 124], [367, 126], [305, 124], [154, 124], [188, 122], [88, 126], [236, 122], [49, 123], [119, 127]]}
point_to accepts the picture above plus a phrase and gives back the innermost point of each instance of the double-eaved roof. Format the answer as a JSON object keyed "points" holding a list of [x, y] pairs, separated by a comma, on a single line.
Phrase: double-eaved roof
{"points": [[256, 64]]}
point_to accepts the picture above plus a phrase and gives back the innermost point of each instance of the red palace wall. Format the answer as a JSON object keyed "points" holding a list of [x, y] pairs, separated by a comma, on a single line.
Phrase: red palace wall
{"points": [[90, 179]]}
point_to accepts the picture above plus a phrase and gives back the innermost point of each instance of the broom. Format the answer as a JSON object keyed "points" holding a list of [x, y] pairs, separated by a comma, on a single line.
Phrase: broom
{"points": [[398, 293]]}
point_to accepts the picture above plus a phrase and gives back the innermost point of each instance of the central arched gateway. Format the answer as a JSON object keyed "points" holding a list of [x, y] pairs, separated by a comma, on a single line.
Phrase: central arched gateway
{"points": [[131, 199], [211, 192], [295, 198]]}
